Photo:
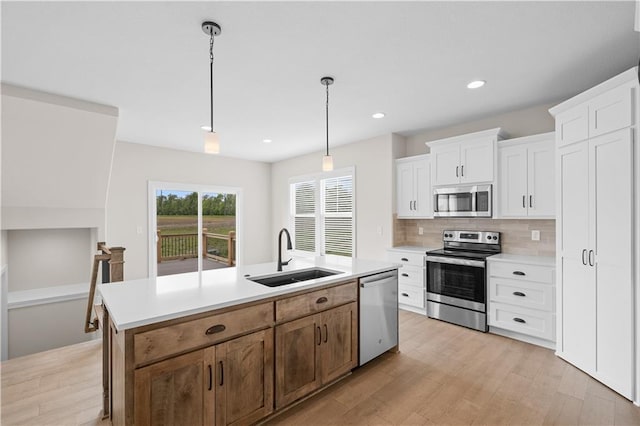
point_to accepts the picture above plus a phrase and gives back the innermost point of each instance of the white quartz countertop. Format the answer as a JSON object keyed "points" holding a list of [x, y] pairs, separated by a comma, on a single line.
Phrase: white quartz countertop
{"points": [[413, 249], [529, 260], [146, 301]]}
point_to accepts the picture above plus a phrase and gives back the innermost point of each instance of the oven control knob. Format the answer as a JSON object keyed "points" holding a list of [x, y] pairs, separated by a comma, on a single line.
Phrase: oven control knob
{"points": [[488, 237], [495, 238]]}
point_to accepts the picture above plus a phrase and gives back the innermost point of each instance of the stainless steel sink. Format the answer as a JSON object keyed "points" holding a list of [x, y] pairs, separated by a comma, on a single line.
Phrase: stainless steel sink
{"points": [[293, 277]]}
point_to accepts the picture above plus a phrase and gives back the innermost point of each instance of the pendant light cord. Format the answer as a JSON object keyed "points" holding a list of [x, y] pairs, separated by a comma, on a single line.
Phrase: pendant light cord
{"points": [[211, 76], [327, 118]]}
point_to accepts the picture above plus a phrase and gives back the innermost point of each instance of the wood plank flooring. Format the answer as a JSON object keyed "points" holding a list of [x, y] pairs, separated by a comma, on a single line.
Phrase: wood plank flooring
{"points": [[444, 374]]}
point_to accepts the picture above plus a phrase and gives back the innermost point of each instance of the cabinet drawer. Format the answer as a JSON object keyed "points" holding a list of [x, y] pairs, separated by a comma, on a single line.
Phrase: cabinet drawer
{"points": [[316, 301], [522, 293], [521, 271], [411, 275], [172, 339], [522, 320], [610, 111], [406, 258], [573, 125], [412, 296]]}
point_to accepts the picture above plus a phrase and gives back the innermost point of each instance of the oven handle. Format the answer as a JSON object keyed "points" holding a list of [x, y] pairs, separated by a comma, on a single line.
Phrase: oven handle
{"points": [[456, 261]]}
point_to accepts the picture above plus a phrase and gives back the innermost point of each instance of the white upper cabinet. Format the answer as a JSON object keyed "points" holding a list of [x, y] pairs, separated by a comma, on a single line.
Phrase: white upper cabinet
{"points": [[526, 174], [465, 159], [413, 192]]}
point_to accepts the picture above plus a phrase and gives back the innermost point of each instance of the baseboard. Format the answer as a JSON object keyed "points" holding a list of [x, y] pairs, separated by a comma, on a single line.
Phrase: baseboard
{"points": [[422, 311], [523, 338]]}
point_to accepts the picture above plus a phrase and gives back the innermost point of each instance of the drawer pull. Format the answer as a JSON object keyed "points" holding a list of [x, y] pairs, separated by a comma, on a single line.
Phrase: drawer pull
{"points": [[520, 320], [519, 293], [405, 294], [404, 259], [218, 328], [522, 274], [405, 275], [322, 300]]}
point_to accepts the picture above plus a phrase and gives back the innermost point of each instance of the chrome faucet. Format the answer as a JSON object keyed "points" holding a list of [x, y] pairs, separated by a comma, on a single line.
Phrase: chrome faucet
{"points": [[289, 247]]}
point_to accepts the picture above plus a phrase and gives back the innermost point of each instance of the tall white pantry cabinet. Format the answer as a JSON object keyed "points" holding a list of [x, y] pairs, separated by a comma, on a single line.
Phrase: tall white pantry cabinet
{"points": [[597, 232]]}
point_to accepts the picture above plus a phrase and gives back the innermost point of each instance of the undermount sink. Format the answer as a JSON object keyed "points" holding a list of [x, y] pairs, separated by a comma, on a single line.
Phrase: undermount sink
{"points": [[294, 277]]}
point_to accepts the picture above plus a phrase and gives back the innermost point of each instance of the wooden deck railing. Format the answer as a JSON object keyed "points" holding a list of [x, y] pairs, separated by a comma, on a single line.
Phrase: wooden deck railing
{"points": [[218, 247]]}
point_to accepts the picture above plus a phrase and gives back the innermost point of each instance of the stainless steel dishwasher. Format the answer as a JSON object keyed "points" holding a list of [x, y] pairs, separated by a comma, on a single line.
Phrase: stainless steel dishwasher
{"points": [[378, 314]]}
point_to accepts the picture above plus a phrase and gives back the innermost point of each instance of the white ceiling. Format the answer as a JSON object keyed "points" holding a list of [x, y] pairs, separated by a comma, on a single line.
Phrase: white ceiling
{"points": [[411, 60]]}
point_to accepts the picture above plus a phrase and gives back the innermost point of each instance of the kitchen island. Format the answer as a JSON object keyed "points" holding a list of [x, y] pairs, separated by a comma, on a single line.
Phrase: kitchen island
{"points": [[217, 347]]}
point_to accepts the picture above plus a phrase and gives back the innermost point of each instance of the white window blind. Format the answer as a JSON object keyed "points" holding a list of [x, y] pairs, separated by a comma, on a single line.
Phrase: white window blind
{"points": [[304, 215], [338, 215], [322, 214]]}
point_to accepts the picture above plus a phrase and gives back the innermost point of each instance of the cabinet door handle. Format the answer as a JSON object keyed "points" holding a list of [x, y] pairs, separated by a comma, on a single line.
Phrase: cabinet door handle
{"points": [[326, 333], [457, 171], [520, 320], [584, 260], [210, 377], [221, 373], [415, 205], [462, 170], [218, 328], [522, 274], [404, 259], [405, 294], [322, 300], [519, 293], [319, 335], [524, 205], [531, 201], [591, 258], [405, 275]]}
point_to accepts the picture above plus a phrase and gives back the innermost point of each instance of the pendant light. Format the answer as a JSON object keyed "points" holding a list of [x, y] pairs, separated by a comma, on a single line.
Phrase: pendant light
{"points": [[211, 138], [327, 160]]}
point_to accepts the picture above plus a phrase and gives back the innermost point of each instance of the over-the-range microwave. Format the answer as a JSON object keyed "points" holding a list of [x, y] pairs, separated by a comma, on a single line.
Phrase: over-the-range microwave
{"points": [[462, 201]]}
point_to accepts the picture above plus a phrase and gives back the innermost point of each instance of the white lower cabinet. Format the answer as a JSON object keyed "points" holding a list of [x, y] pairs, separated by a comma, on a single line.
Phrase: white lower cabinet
{"points": [[411, 277], [522, 298]]}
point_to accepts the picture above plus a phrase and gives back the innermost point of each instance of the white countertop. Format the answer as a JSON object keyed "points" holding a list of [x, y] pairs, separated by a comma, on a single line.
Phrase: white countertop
{"points": [[413, 249], [146, 301], [529, 260]]}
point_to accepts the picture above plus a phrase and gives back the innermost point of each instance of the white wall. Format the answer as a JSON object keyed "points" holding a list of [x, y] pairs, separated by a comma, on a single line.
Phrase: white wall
{"points": [[524, 122], [134, 165], [373, 164]]}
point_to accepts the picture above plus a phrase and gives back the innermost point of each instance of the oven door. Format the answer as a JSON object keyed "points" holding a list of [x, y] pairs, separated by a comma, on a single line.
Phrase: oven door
{"points": [[457, 282]]}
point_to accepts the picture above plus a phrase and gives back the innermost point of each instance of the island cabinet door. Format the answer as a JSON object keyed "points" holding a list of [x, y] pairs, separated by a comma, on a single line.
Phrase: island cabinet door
{"points": [[339, 348], [177, 391], [244, 379], [297, 363]]}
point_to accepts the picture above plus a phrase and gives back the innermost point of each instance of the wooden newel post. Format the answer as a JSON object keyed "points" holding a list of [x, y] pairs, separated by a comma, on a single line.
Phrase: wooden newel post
{"points": [[204, 243], [230, 247], [116, 264], [159, 246]]}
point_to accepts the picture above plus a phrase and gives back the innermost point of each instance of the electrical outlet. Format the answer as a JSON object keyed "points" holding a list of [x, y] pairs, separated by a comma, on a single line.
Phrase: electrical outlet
{"points": [[420, 230], [139, 230], [535, 235], [379, 230]]}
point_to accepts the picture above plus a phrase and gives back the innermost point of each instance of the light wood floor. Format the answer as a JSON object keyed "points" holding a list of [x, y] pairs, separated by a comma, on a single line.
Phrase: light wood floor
{"points": [[444, 374]]}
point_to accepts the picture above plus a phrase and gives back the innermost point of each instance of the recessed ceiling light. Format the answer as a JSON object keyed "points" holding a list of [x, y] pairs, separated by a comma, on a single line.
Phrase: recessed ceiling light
{"points": [[475, 84], [206, 128], [267, 140], [378, 115]]}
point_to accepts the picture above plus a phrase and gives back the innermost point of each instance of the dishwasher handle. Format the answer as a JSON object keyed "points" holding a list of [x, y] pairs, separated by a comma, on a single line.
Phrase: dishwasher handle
{"points": [[379, 279]]}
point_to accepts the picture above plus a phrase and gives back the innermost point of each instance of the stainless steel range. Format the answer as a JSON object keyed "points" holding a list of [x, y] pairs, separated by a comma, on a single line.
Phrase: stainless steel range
{"points": [[456, 278]]}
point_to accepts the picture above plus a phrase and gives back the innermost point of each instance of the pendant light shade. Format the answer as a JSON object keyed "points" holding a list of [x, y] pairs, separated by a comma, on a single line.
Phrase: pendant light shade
{"points": [[327, 160], [327, 163], [211, 143], [211, 138]]}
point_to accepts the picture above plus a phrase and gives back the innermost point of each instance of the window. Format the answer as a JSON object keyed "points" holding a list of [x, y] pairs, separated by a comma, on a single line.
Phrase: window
{"points": [[192, 228], [322, 213]]}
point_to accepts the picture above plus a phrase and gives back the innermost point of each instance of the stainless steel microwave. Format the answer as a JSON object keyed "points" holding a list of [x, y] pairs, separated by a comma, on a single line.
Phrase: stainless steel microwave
{"points": [[462, 201]]}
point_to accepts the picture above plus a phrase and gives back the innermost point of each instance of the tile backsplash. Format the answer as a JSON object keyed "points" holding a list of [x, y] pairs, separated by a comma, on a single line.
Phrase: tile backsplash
{"points": [[515, 233]]}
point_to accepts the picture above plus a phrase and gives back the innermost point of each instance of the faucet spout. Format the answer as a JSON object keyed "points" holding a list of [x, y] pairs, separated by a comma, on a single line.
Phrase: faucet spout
{"points": [[289, 247]]}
